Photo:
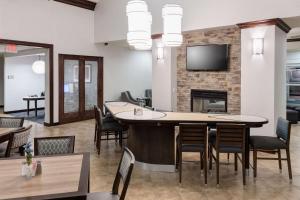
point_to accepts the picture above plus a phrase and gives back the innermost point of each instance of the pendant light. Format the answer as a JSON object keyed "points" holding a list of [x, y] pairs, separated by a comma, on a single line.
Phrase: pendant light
{"points": [[139, 24], [172, 17], [38, 66]]}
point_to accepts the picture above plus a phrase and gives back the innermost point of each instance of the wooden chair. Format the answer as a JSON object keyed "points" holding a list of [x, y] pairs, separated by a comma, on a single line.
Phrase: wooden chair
{"points": [[105, 119], [230, 138], [21, 137], [54, 145], [192, 138], [11, 122], [8, 138], [123, 174], [107, 127], [273, 145]]}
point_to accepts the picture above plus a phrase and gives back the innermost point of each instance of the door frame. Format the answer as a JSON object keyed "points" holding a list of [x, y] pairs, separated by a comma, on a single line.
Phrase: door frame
{"points": [[51, 55], [100, 81]]}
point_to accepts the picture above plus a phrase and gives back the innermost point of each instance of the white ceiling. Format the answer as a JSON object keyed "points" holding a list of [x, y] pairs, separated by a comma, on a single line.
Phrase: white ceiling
{"points": [[294, 23]]}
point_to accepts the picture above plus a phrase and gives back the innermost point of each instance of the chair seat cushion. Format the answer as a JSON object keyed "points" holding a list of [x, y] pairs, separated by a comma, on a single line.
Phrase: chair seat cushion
{"points": [[102, 196], [192, 148], [112, 126], [267, 143]]}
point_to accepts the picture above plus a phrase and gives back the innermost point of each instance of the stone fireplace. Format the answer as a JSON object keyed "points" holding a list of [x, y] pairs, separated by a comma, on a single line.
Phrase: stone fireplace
{"points": [[208, 101], [229, 81]]}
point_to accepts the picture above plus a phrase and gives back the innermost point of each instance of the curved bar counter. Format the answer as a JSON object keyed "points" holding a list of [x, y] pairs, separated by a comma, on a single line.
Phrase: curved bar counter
{"points": [[152, 135]]}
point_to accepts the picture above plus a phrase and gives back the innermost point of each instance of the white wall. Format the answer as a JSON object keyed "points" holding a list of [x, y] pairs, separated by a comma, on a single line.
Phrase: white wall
{"points": [[124, 70], [1, 81], [197, 14], [71, 30], [263, 77], [164, 79], [22, 82]]}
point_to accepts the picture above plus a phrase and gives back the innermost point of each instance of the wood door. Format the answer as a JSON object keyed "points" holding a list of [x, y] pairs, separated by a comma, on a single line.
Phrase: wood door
{"points": [[80, 87]]}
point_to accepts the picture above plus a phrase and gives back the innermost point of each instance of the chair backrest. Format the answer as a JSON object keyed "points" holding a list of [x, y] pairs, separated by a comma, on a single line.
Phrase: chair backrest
{"points": [[54, 145], [11, 122], [231, 135], [148, 93], [283, 129], [124, 173], [130, 96], [21, 137], [126, 97], [192, 134], [7, 138]]}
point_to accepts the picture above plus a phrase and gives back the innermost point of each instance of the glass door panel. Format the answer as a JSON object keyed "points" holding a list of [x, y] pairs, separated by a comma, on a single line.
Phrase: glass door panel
{"points": [[91, 84], [80, 83], [71, 86]]}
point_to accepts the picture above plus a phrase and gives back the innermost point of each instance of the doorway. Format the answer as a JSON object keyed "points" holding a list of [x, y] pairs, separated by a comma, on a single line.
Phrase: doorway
{"points": [[15, 51], [80, 87]]}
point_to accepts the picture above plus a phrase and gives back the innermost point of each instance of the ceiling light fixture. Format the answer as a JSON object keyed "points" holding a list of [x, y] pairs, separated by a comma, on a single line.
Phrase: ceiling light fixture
{"points": [[172, 16], [139, 24], [38, 66]]}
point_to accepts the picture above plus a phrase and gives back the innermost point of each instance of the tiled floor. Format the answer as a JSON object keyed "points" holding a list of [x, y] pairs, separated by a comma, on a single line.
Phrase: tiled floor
{"points": [[270, 184]]}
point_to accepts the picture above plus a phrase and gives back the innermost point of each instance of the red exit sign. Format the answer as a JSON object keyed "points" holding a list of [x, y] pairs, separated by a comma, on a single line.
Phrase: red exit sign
{"points": [[11, 48]]}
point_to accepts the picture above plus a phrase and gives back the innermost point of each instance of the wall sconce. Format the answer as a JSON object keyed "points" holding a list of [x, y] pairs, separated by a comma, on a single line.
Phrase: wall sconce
{"points": [[160, 53], [258, 46]]}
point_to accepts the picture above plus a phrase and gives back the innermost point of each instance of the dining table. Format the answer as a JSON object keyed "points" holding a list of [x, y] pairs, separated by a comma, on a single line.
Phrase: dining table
{"points": [[152, 138], [63, 177]]}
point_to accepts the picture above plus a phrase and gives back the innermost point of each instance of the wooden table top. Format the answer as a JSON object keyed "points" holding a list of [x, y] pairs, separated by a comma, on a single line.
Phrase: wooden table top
{"points": [[62, 176], [33, 98], [124, 111], [4, 131]]}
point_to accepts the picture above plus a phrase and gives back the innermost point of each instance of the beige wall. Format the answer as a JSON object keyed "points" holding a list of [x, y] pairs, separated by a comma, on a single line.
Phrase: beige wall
{"points": [[226, 81]]}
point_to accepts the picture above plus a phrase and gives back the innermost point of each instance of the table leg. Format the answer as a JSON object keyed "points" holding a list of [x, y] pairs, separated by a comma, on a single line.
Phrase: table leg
{"points": [[35, 104], [247, 149], [28, 107]]}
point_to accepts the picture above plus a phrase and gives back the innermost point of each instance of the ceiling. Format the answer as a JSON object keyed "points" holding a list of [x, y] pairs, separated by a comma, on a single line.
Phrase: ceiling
{"points": [[294, 23]]}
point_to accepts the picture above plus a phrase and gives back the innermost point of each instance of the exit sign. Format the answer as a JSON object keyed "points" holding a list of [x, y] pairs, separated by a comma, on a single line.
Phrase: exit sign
{"points": [[11, 48]]}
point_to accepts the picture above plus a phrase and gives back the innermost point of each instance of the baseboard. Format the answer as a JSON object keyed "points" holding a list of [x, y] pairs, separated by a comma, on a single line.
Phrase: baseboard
{"points": [[53, 124], [24, 110]]}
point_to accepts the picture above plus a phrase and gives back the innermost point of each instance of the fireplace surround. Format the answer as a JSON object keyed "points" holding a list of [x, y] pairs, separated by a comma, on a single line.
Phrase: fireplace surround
{"points": [[208, 101]]}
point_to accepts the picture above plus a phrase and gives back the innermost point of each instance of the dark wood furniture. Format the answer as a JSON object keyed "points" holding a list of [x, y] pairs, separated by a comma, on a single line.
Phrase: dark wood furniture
{"points": [[11, 122], [82, 113], [54, 145], [151, 136], [273, 145], [192, 138], [58, 179], [7, 135], [20, 138], [107, 127], [123, 174], [35, 99], [230, 138]]}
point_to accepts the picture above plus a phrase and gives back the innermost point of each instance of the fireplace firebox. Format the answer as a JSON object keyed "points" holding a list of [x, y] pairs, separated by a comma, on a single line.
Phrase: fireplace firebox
{"points": [[208, 101]]}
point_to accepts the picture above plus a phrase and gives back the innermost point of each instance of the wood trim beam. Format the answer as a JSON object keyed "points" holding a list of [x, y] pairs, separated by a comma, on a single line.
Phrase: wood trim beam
{"points": [[293, 40], [156, 36], [89, 5], [268, 22]]}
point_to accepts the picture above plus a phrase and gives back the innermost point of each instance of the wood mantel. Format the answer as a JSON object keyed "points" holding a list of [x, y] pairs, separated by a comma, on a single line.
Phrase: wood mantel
{"points": [[267, 22], [80, 3]]}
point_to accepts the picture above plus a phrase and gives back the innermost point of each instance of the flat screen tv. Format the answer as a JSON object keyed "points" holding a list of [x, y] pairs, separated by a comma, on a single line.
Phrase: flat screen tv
{"points": [[212, 57]]}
